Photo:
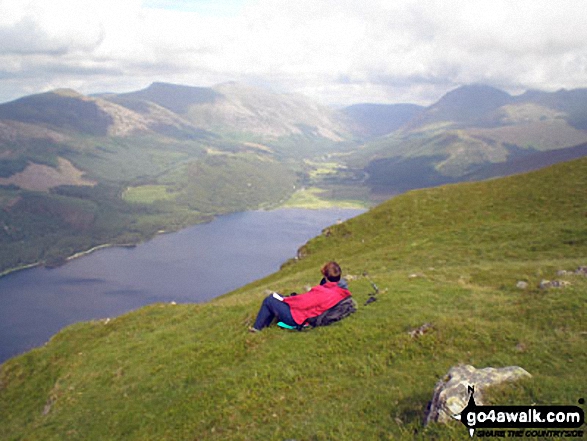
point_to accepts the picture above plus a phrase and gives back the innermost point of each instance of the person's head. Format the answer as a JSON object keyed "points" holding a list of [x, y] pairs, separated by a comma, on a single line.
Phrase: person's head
{"points": [[331, 271]]}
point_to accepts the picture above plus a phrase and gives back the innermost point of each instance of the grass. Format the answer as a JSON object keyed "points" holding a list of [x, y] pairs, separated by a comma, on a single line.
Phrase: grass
{"points": [[312, 198], [147, 194], [450, 256]]}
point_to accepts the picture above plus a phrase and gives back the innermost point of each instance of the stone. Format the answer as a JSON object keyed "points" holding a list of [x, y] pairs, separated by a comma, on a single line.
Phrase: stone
{"points": [[545, 284], [522, 285], [521, 347], [450, 395], [418, 332]]}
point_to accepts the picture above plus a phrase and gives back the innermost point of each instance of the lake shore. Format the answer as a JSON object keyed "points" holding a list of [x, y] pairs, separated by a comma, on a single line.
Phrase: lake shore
{"points": [[305, 198], [19, 268]]}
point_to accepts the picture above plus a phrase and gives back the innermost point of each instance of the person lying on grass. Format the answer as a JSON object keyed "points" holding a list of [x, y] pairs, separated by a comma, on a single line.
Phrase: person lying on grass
{"points": [[295, 310]]}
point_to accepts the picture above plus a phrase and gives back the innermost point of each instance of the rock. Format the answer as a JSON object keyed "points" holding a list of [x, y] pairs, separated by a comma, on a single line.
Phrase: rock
{"points": [[418, 332], [545, 284], [522, 285], [451, 393], [521, 347], [560, 283], [582, 271]]}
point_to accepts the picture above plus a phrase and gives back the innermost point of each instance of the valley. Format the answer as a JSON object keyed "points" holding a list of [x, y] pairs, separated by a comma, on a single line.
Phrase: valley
{"points": [[80, 171]]}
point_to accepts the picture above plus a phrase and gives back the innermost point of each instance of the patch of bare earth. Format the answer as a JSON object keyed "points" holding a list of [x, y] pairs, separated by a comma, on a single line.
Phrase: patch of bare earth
{"points": [[39, 177]]}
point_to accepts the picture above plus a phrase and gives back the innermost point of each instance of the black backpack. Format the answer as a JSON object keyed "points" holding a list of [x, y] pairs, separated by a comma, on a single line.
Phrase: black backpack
{"points": [[342, 309]]}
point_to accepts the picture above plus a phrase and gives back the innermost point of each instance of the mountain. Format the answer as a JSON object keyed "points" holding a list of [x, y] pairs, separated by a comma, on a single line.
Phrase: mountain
{"points": [[74, 114], [176, 98], [471, 132], [450, 257], [62, 110], [232, 108], [573, 103], [463, 107]]}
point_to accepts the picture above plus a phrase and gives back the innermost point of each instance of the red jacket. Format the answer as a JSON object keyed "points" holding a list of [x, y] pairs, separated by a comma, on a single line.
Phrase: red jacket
{"points": [[316, 301]]}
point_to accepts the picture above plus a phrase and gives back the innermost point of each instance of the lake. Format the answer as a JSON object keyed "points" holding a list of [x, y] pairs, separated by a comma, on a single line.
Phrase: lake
{"points": [[191, 266]]}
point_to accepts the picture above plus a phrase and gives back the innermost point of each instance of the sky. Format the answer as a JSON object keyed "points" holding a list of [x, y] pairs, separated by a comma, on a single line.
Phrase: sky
{"points": [[338, 52]]}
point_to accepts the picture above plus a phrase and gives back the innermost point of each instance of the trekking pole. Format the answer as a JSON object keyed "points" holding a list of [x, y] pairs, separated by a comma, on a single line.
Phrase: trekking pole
{"points": [[372, 298]]}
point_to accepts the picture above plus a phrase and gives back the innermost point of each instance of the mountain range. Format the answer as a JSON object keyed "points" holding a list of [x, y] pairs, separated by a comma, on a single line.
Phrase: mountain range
{"points": [[476, 131], [77, 171]]}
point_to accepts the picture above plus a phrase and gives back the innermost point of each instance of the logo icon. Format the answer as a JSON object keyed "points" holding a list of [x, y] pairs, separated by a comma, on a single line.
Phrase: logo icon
{"points": [[522, 417]]}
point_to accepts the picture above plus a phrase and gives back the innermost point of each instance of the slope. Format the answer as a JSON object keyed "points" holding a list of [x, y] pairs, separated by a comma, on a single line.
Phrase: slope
{"points": [[370, 121], [472, 131], [450, 256], [288, 123]]}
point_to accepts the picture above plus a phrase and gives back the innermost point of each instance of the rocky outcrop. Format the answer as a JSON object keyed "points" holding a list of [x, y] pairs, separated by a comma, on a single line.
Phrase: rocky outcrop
{"points": [[546, 284], [451, 392]]}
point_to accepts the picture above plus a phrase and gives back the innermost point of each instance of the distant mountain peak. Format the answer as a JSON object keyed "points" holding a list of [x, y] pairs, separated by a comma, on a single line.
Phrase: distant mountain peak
{"points": [[476, 94], [69, 93], [174, 97], [466, 105]]}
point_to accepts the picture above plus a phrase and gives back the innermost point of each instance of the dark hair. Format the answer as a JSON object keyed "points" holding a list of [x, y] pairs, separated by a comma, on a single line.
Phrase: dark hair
{"points": [[331, 271]]}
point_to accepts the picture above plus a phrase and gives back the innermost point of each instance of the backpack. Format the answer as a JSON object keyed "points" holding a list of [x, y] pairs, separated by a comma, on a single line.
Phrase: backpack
{"points": [[342, 309]]}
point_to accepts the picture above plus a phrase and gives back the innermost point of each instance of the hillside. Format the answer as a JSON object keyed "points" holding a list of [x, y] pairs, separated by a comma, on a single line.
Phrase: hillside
{"points": [[474, 131], [77, 172], [242, 112], [370, 121], [450, 256]]}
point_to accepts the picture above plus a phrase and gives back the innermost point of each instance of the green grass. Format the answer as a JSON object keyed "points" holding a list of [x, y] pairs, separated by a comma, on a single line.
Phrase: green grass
{"points": [[147, 194], [312, 198], [191, 372]]}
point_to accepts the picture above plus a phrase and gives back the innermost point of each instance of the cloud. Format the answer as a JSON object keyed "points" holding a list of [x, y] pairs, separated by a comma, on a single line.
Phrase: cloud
{"points": [[338, 52]]}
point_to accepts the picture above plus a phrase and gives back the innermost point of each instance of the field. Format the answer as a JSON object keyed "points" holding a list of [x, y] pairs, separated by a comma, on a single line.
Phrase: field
{"points": [[147, 194]]}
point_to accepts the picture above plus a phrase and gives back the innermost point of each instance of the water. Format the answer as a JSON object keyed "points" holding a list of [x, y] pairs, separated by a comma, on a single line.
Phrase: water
{"points": [[192, 265]]}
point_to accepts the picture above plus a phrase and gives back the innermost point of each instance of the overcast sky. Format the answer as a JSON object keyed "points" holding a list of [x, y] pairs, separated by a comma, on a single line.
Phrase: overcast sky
{"points": [[338, 52]]}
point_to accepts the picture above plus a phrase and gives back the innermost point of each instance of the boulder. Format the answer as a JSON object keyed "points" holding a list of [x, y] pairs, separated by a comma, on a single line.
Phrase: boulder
{"points": [[582, 271], [420, 331], [546, 284], [451, 392]]}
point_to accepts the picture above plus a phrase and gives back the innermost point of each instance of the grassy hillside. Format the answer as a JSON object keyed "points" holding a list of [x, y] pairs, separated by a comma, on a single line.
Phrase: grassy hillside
{"points": [[450, 256]]}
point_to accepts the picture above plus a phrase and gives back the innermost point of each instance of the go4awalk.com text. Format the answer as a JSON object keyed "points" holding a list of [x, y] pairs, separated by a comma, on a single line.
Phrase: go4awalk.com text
{"points": [[522, 421]]}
